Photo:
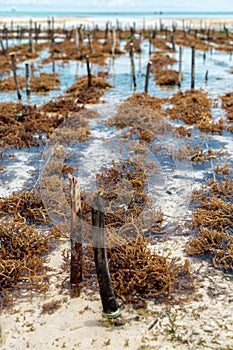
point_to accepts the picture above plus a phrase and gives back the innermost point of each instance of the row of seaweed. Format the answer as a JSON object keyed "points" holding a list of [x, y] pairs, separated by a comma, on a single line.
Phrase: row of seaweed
{"points": [[98, 45]]}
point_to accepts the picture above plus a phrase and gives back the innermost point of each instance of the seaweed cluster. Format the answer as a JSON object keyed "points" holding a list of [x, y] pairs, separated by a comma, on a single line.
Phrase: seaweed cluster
{"points": [[227, 105], [193, 108], [167, 77], [138, 274], [23, 125], [38, 84], [28, 205], [213, 221], [23, 254], [163, 75], [88, 94]]}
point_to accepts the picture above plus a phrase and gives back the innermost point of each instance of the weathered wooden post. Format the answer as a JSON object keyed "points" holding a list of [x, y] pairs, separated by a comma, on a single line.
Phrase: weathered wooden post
{"points": [[147, 76], [80, 31], [173, 43], [133, 66], [75, 238], [76, 40], [180, 66], [106, 30], [3, 48], [6, 38], [12, 55], [36, 32], [110, 306], [30, 41], [90, 43], [113, 42], [88, 72], [193, 68], [150, 44], [27, 80], [204, 57]]}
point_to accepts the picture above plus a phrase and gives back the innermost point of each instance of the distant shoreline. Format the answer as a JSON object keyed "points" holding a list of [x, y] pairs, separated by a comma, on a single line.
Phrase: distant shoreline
{"points": [[196, 19]]}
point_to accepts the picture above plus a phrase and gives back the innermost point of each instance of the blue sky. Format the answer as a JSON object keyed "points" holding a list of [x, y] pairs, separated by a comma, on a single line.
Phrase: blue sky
{"points": [[119, 5]]}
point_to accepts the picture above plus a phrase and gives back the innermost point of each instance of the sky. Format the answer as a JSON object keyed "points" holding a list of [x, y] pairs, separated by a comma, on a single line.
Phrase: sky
{"points": [[118, 5]]}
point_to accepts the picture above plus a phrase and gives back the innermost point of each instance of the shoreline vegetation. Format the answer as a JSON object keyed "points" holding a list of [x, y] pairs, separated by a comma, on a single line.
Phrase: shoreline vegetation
{"points": [[171, 275]]}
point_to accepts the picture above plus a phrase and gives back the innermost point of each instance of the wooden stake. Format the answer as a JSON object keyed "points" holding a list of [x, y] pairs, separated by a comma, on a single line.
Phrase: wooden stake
{"points": [[76, 40], [90, 43], [3, 48], [6, 38], [193, 68], [147, 76], [75, 238], [133, 66], [15, 75], [149, 36], [113, 41], [180, 66], [173, 43], [30, 41], [27, 80], [88, 72], [111, 308]]}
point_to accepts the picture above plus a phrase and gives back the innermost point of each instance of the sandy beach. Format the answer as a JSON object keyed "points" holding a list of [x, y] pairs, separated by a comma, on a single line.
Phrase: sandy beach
{"points": [[203, 320]]}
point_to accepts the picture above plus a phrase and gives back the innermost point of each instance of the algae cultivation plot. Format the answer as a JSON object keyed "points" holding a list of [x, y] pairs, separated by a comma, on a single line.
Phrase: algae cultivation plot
{"points": [[162, 156]]}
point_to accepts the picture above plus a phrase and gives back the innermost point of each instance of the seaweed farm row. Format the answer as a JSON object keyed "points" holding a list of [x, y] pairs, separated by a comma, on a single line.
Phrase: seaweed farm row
{"points": [[115, 108]]}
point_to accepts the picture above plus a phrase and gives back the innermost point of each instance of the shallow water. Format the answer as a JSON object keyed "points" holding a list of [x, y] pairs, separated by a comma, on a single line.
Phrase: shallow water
{"points": [[171, 186]]}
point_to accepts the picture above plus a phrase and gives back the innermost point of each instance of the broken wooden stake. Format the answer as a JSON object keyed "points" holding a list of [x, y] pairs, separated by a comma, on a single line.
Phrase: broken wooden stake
{"points": [[75, 238], [111, 308]]}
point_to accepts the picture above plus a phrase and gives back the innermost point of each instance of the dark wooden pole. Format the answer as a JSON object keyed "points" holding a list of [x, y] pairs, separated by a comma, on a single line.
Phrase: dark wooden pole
{"points": [[75, 238], [147, 76], [193, 68], [3, 48], [88, 72], [90, 43], [133, 66], [27, 80], [111, 308], [30, 41], [15, 75], [173, 43], [6, 38], [150, 44], [180, 66], [76, 40]]}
